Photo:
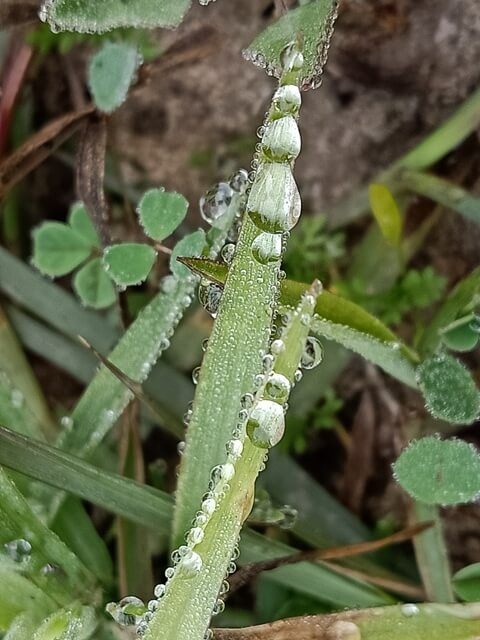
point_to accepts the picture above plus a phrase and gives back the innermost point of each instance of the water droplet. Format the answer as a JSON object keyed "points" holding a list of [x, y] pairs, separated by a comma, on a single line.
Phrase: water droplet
{"points": [[274, 203], [200, 519], [234, 448], [287, 99], [190, 565], [49, 569], [225, 588], [277, 388], [343, 630], [205, 345], [214, 204], [266, 424], [128, 612], [298, 375], [290, 515], [227, 252], [312, 355], [67, 423], [267, 248], [168, 284], [181, 448], [267, 362], [208, 506], [209, 296], [239, 181], [281, 142], [169, 571], [159, 590], [409, 610], [17, 398], [247, 400], [291, 58], [277, 347], [219, 607], [196, 375], [195, 535], [18, 550]]}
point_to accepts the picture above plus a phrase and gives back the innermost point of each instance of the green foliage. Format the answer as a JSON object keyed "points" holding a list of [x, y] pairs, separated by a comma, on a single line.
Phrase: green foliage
{"points": [[58, 249], [93, 286], [443, 472], [312, 251], [160, 213], [449, 390], [111, 72], [191, 245], [313, 23], [462, 334], [413, 291], [80, 221], [90, 16], [386, 212], [130, 263], [466, 583]]}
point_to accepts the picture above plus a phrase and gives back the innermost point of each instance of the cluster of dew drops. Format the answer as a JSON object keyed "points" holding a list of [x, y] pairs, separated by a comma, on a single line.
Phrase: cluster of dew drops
{"points": [[273, 204]]}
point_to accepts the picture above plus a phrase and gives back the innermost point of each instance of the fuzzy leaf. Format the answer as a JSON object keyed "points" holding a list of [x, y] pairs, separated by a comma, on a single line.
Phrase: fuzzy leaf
{"points": [[93, 286], [110, 74], [161, 212], [92, 16], [191, 245], [387, 213], [449, 390], [443, 472], [79, 219], [466, 583], [314, 21], [58, 249], [130, 263]]}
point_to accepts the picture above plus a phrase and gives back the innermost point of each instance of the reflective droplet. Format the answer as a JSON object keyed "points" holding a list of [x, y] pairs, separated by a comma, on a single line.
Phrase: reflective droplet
{"points": [[274, 203], [267, 248], [227, 253], [290, 515], [159, 590], [190, 565], [209, 296], [239, 181], [219, 607], [291, 58], [277, 347], [277, 388], [205, 345], [409, 610], [266, 424], [17, 398], [247, 400], [18, 550], [67, 423], [181, 448], [287, 99], [281, 142], [312, 355], [208, 506], [298, 375], [128, 612], [267, 362], [168, 284], [195, 535], [234, 448], [196, 375], [214, 204]]}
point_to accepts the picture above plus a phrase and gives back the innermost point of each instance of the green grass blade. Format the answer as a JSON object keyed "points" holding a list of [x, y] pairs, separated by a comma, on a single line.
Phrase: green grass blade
{"points": [[19, 595]]}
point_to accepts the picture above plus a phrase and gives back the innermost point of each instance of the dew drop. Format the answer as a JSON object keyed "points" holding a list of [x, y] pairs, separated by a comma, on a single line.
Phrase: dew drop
{"points": [[277, 347], [181, 448], [215, 202], [267, 362], [195, 535], [277, 388], [287, 99], [208, 506], [205, 345], [291, 58], [196, 375], [219, 607], [246, 401], [409, 610], [290, 515], [312, 355], [267, 248], [159, 590], [234, 448], [281, 142], [344, 630], [67, 423], [227, 252], [190, 565], [239, 181], [298, 375], [17, 398], [18, 550], [128, 612], [266, 424], [168, 284], [209, 296]]}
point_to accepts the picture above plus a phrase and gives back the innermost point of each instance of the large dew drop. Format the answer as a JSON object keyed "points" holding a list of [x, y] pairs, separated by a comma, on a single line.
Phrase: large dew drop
{"points": [[190, 565], [291, 58], [266, 424], [312, 355], [277, 388], [209, 296], [267, 248], [287, 100], [282, 142], [18, 550], [128, 612], [214, 204], [274, 203]]}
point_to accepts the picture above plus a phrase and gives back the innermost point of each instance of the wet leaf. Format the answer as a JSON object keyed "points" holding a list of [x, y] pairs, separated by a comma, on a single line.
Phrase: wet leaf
{"points": [[161, 212], [130, 263], [191, 245], [91, 16], [386, 212], [449, 390], [111, 73], [466, 583], [462, 334], [314, 22], [93, 286], [58, 249], [81, 222], [443, 472]]}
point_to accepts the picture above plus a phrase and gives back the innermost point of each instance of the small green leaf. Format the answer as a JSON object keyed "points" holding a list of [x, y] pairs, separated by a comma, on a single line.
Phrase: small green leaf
{"points": [[386, 213], [58, 249], [466, 583], [160, 213], [93, 286], [111, 72], [314, 21], [130, 263], [449, 390], [92, 16], [79, 219], [443, 472], [191, 245]]}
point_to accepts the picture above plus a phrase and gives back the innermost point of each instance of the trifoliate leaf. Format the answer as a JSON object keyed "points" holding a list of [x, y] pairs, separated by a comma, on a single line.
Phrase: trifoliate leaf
{"points": [[111, 72], [95, 16], [161, 212], [386, 212], [443, 472], [466, 583], [79, 219], [314, 23], [191, 245], [130, 263], [449, 390], [58, 249], [93, 286]]}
